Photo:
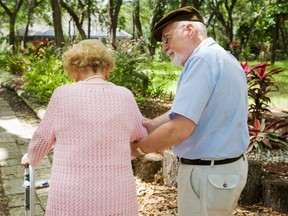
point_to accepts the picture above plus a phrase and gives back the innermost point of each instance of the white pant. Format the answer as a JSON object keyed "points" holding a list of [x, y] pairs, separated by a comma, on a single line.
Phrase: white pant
{"points": [[210, 190]]}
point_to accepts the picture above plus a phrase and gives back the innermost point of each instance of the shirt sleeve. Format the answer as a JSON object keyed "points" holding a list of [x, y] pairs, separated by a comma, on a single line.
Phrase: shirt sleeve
{"points": [[44, 137], [195, 87]]}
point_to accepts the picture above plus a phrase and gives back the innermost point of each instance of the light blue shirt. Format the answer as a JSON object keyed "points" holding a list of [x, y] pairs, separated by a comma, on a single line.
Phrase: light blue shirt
{"points": [[212, 92]]}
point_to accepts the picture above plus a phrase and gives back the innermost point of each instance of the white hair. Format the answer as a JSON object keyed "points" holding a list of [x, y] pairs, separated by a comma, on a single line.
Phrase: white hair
{"points": [[197, 25]]}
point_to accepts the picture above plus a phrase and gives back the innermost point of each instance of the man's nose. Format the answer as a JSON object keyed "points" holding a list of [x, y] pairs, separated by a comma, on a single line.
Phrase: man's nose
{"points": [[164, 47]]}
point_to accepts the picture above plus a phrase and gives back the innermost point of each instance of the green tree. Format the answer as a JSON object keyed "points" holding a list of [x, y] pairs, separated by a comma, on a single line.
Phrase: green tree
{"points": [[57, 22], [158, 12], [32, 4], [11, 10], [280, 15], [114, 9], [78, 14], [136, 20]]}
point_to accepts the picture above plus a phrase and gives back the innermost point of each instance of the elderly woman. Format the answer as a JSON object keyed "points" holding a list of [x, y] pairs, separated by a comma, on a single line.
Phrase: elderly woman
{"points": [[91, 124]]}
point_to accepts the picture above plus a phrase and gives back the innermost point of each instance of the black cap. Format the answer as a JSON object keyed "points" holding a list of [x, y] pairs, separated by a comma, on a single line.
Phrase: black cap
{"points": [[187, 13]]}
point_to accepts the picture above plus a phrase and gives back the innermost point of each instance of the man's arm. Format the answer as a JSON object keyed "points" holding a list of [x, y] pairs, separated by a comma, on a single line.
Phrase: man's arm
{"points": [[151, 125], [168, 134]]}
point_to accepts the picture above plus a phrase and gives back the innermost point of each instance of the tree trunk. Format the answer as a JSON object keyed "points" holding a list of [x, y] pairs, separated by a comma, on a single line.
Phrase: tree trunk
{"points": [[12, 31], [33, 4], [12, 16], [275, 39], [227, 23], [114, 9], [89, 18], [75, 18], [157, 15], [57, 22], [284, 34], [136, 19]]}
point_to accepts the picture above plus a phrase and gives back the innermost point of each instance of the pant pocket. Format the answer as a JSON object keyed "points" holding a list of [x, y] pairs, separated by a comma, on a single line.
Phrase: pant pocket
{"points": [[223, 191], [195, 183]]}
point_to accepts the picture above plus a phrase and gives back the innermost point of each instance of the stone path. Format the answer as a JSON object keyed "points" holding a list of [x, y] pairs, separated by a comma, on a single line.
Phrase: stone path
{"points": [[14, 140]]}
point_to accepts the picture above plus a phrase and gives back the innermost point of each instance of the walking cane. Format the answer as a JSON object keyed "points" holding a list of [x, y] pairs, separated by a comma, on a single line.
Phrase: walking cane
{"points": [[29, 185]]}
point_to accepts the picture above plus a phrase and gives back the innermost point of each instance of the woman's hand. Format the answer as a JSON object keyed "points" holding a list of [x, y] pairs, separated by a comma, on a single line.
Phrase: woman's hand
{"points": [[149, 125], [24, 161]]}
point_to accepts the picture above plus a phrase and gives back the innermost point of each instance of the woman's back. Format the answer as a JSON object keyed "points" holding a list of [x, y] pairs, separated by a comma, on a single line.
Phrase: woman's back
{"points": [[93, 123]]}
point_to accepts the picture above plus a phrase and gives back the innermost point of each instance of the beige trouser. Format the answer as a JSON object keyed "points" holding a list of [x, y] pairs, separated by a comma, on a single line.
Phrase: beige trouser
{"points": [[210, 190]]}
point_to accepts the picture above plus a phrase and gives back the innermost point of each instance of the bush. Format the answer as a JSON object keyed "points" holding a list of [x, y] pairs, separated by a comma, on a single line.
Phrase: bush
{"points": [[13, 63], [260, 83], [272, 135], [5, 53], [262, 133], [129, 61], [17, 64], [46, 73]]}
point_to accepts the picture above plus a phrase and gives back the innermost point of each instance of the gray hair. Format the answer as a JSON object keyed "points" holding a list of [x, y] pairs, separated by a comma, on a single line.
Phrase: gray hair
{"points": [[197, 25]]}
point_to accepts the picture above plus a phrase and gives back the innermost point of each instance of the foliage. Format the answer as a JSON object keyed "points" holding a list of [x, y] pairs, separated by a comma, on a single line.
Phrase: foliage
{"points": [[260, 83], [5, 53], [17, 64], [271, 134], [128, 71], [274, 134], [46, 73], [157, 90]]}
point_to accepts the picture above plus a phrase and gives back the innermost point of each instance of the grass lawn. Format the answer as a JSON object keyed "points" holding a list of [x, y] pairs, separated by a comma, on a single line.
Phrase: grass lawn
{"points": [[166, 75]]}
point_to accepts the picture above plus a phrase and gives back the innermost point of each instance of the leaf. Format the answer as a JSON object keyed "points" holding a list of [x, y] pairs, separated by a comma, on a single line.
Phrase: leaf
{"points": [[262, 126], [245, 67], [271, 125], [274, 71], [276, 139], [266, 142], [256, 123], [282, 125], [258, 66], [250, 147]]}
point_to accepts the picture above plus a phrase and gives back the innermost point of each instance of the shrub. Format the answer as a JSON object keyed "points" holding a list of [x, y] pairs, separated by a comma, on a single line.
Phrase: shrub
{"points": [[129, 61], [273, 134], [17, 64], [46, 73], [6, 53], [260, 83]]}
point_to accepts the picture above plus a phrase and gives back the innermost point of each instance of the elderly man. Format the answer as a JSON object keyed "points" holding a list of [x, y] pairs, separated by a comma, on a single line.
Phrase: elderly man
{"points": [[207, 124]]}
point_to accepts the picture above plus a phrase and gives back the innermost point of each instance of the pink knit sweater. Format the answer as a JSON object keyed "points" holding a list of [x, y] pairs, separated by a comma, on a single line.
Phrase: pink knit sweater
{"points": [[91, 126]]}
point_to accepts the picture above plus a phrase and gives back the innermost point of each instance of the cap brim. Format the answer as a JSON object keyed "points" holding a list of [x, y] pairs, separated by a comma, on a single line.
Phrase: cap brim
{"points": [[187, 13]]}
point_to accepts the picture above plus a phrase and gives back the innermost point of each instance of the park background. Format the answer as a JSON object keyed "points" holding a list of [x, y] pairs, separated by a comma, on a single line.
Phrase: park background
{"points": [[34, 33]]}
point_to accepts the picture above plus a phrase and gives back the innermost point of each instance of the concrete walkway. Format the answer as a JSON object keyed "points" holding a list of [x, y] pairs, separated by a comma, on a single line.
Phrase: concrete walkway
{"points": [[14, 140]]}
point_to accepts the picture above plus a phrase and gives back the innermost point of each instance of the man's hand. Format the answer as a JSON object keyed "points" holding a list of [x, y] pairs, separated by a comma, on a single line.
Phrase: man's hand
{"points": [[134, 151], [24, 161]]}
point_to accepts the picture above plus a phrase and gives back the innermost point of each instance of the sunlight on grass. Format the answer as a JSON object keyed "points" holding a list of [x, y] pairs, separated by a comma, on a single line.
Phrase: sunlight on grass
{"points": [[280, 98], [280, 102], [165, 74]]}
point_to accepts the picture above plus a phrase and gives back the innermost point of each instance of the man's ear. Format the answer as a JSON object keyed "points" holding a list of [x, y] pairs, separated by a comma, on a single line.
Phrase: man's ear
{"points": [[190, 29]]}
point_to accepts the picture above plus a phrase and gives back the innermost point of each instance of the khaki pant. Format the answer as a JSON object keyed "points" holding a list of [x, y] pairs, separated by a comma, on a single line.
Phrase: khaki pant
{"points": [[210, 190]]}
